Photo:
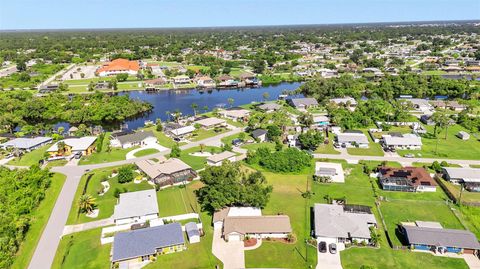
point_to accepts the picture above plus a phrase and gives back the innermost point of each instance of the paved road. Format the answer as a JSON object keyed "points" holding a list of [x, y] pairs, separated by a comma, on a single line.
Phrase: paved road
{"points": [[54, 76], [393, 159], [47, 246]]}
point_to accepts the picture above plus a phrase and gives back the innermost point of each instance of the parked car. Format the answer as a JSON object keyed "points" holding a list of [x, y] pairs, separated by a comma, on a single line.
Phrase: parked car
{"points": [[237, 142], [333, 248], [176, 139], [77, 155], [322, 247], [409, 155], [336, 145]]}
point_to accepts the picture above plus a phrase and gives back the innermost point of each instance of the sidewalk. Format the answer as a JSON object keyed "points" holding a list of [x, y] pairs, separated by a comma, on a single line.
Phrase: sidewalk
{"points": [[68, 229]]}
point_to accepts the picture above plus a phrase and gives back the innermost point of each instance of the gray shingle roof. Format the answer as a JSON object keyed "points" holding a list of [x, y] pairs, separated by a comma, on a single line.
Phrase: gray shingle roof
{"points": [[26, 143], [441, 237], [136, 243], [192, 229], [258, 132], [296, 102], [134, 137], [465, 174], [136, 204]]}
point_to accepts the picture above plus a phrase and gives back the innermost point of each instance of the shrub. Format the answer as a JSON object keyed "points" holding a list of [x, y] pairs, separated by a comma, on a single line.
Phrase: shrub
{"points": [[287, 160], [125, 174]]}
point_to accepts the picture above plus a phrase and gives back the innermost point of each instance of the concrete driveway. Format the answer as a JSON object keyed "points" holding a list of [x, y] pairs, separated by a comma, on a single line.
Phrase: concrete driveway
{"points": [[230, 253], [329, 261]]}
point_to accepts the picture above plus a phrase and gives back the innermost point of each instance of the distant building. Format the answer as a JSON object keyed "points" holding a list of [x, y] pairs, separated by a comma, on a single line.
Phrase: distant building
{"points": [[26, 144], [402, 141], [212, 122], [260, 135], [351, 140], [205, 82], [119, 66], [269, 107], [348, 102], [235, 113], [407, 179], [463, 135], [219, 158], [303, 103]]}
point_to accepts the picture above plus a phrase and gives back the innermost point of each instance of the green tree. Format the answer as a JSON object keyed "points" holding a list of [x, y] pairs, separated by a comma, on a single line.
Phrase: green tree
{"points": [[194, 107], [230, 101], [274, 132], [122, 77], [125, 174], [265, 96], [176, 151], [158, 125], [86, 203], [305, 119], [310, 139]]}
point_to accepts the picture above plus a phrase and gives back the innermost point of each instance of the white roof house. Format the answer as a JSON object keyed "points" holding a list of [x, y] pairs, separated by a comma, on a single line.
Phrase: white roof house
{"points": [[136, 206], [26, 143], [77, 144], [463, 135], [217, 159], [344, 101], [404, 141], [339, 222], [349, 139], [211, 122], [460, 174], [235, 113], [332, 170], [182, 130]]}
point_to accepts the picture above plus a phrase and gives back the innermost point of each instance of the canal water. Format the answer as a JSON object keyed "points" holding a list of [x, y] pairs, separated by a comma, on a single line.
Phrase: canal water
{"points": [[170, 101]]}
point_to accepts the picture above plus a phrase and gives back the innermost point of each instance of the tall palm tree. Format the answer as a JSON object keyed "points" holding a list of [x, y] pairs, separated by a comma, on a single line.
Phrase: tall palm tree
{"points": [[194, 106], [168, 114], [205, 109], [230, 101], [86, 203]]}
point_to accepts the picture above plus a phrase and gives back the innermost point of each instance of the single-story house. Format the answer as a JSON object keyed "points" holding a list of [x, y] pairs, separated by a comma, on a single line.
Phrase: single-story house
{"points": [[352, 139], [335, 223], [421, 105], [26, 144], [167, 172], [138, 206], [181, 132], [292, 140], [452, 105], [220, 215], [205, 82], [219, 158], [407, 179], [321, 120], [405, 141], [181, 80], [348, 102], [193, 233], [83, 145], [132, 139], [249, 79], [235, 113], [440, 240], [227, 81], [142, 244], [469, 177], [275, 226], [209, 123], [260, 134], [334, 171], [269, 107], [463, 135], [302, 103]]}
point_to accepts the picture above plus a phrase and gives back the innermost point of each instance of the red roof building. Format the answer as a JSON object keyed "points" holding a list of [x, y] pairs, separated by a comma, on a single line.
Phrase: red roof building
{"points": [[119, 66]]}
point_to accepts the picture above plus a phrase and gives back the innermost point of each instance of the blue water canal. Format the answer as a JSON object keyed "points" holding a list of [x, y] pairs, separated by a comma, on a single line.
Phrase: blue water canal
{"points": [[165, 101]]}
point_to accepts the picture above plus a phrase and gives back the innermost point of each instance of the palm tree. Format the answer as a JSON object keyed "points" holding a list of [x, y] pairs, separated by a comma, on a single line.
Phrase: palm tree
{"points": [[86, 203], [441, 121], [168, 113], [266, 96], [202, 147], [194, 106], [205, 109], [176, 115], [61, 147]]}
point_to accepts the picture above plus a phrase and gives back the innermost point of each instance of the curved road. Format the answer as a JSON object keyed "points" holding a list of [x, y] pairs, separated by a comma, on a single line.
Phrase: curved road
{"points": [[48, 243]]}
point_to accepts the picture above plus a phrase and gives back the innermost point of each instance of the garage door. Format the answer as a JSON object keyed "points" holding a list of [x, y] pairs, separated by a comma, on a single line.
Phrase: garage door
{"points": [[234, 237]]}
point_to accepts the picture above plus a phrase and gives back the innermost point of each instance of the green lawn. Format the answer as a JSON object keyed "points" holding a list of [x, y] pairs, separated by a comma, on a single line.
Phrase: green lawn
{"points": [[327, 148], [56, 163], [162, 139], [145, 152], [197, 162], [374, 149], [104, 203], [30, 158], [469, 197], [450, 148], [255, 146], [74, 250], [39, 219], [201, 134], [115, 154]]}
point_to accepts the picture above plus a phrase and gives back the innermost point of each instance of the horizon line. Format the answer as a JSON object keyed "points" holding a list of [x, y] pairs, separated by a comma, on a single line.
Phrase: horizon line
{"points": [[243, 26]]}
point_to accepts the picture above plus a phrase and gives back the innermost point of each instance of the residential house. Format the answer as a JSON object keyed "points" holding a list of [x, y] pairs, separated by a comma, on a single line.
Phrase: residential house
{"points": [[239, 223], [83, 146], [156, 83], [205, 82], [352, 139], [332, 171], [303, 103], [143, 244], [181, 80], [136, 207], [469, 177], [119, 66], [292, 140], [48, 88], [179, 131], [407, 179], [260, 135], [227, 81], [26, 144], [343, 223], [210, 123], [463, 135], [269, 107], [128, 140], [193, 233], [402, 141], [249, 79], [167, 172], [321, 120], [419, 105], [452, 105], [219, 158], [440, 240], [235, 113], [349, 102]]}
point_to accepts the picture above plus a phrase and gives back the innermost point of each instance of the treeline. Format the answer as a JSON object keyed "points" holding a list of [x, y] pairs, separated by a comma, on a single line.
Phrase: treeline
{"points": [[21, 192], [21, 108]]}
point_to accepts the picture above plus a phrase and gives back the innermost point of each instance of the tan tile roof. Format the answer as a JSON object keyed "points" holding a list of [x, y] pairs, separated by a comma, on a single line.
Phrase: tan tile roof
{"points": [[257, 224]]}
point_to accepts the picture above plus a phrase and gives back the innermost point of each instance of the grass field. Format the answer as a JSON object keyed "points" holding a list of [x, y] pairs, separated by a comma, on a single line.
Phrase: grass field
{"points": [[104, 203], [469, 197], [39, 220], [162, 139], [197, 162], [30, 158], [115, 154], [56, 163], [145, 152], [201, 134], [255, 146], [450, 148], [327, 148]]}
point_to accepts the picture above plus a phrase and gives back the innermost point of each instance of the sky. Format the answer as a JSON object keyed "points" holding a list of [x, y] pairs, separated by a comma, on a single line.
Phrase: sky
{"points": [[69, 14]]}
